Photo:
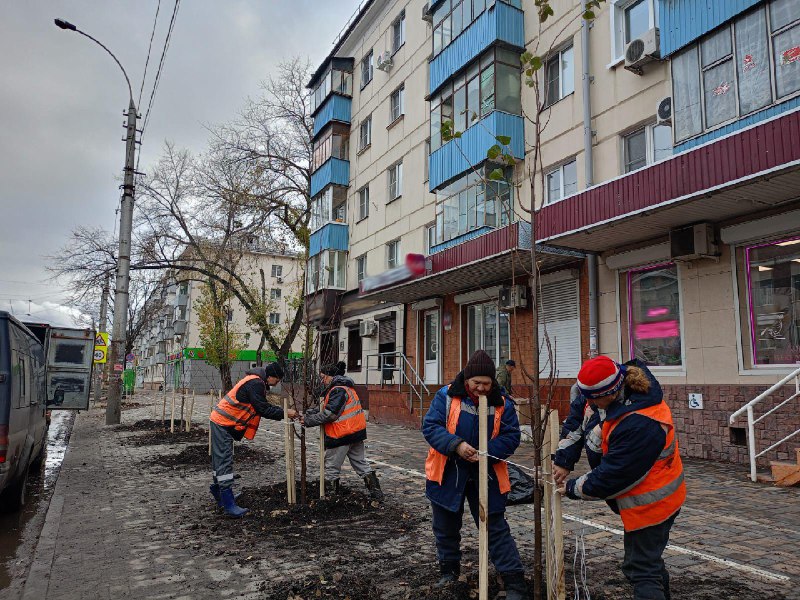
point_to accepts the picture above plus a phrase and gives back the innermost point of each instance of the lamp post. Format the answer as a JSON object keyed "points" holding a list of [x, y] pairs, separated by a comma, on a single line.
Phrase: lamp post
{"points": [[118, 333]]}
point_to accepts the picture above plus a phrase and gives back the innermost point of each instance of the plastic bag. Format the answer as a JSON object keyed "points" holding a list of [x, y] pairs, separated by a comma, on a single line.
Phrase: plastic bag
{"points": [[522, 487]]}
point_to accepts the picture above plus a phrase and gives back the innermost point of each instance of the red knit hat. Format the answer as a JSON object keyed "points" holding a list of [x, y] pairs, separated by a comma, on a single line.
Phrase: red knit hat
{"points": [[600, 376]]}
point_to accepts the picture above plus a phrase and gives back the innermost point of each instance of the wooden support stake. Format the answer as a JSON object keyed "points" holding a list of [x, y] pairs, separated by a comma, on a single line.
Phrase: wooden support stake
{"points": [[321, 461], [558, 529], [191, 410], [548, 488], [210, 408], [483, 501], [289, 449], [172, 414], [164, 407]]}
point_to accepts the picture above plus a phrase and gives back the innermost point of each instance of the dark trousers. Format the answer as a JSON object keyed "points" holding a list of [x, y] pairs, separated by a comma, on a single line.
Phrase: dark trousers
{"points": [[447, 529], [643, 565], [221, 456]]}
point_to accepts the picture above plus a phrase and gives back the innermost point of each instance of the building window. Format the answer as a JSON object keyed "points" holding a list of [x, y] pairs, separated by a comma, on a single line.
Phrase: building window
{"points": [[326, 271], [275, 294], [334, 80], [277, 270], [473, 202], [559, 76], [274, 318], [228, 315], [490, 82], [654, 316], [773, 288], [365, 134], [398, 103], [562, 182], [354, 349], [183, 289], [329, 206], [430, 238], [425, 159], [334, 143], [399, 32], [488, 328], [630, 20], [395, 181], [393, 254], [646, 146], [730, 72], [361, 268], [452, 17], [363, 203], [366, 70]]}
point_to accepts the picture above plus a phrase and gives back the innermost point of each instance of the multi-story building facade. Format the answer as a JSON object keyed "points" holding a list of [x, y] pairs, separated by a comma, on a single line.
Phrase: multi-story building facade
{"points": [[664, 186], [171, 353]]}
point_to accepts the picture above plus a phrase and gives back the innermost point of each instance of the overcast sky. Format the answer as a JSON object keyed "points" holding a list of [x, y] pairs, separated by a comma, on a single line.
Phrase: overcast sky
{"points": [[61, 102]]}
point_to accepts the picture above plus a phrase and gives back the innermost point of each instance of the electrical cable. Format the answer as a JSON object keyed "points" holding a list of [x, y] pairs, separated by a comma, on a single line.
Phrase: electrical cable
{"points": [[149, 48]]}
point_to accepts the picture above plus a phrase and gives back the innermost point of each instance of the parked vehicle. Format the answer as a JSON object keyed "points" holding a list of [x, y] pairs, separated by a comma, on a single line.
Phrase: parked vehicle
{"points": [[23, 425]]}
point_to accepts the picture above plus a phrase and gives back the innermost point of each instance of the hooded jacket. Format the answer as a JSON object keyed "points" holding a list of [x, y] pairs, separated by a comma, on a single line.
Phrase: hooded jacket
{"points": [[582, 428], [333, 410], [634, 446], [254, 393], [450, 494]]}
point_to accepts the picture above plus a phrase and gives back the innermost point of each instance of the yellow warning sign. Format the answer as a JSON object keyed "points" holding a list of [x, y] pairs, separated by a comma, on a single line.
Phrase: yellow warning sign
{"points": [[100, 348]]}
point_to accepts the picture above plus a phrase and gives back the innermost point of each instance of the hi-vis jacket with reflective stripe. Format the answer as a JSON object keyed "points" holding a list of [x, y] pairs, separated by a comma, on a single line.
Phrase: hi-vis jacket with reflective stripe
{"points": [[451, 419], [350, 422], [239, 415], [662, 491]]}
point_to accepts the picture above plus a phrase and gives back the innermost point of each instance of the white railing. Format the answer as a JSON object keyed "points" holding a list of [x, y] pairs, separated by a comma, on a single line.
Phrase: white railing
{"points": [[751, 420], [387, 364]]}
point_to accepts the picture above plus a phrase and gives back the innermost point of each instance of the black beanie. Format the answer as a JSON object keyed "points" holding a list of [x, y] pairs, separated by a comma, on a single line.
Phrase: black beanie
{"points": [[480, 365], [332, 370], [273, 370]]}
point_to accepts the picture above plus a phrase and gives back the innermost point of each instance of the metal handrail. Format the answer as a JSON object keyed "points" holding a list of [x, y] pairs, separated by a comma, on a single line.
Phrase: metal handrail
{"points": [[413, 385], [751, 420]]}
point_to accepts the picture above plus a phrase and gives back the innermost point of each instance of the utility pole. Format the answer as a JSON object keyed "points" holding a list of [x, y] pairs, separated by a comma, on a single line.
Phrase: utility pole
{"points": [[102, 327], [119, 332]]}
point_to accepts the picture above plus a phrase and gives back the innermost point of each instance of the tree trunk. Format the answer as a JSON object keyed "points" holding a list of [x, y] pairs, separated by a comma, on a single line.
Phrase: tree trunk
{"points": [[225, 375], [259, 359], [303, 463]]}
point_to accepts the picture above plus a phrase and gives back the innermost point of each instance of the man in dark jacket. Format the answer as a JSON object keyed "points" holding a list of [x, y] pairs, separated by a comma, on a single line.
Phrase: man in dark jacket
{"points": [[581, 428], [342, 417], [237, 415], [504, 376], [451, 428]]}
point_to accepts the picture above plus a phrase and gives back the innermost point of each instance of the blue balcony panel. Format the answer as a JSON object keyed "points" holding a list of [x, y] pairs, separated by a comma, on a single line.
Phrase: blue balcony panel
{"points": [[458, 156], [333, 171], [335, 108], [333, 236], [685, 21], [744, 122], [464, 237], [503, 23]]}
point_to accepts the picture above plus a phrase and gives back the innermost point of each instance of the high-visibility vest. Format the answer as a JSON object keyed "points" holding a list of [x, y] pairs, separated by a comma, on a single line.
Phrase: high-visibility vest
{"points": [[436, 461], [352, 418], [229, 412], [662, 491]]}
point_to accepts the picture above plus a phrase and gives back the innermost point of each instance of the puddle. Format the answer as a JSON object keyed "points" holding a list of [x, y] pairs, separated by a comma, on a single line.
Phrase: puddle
{"points": [[19, 531]]}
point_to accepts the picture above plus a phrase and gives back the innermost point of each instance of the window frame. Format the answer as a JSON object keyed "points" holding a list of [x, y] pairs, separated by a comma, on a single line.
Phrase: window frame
{"points": [[399, 24], [650, 147], [277, 270], [397, 104], [367, 69], [274, 318], [395, 178], [499, 359], [363, 203], [275, 293], [361, 268], [560, 169], [430, 242], [362, 143], [393, 254], [617, 25], [557, 57]]}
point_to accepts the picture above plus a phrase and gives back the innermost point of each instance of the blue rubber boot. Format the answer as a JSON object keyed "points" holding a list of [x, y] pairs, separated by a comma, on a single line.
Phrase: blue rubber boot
{"points": [[229, 504], [214, 489]]}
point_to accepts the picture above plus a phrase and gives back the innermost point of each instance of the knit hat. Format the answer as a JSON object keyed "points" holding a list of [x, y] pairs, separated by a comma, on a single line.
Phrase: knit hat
{"points": [[511, 363], [332, 370], [600, 376], [273, 370], [480, 365]]}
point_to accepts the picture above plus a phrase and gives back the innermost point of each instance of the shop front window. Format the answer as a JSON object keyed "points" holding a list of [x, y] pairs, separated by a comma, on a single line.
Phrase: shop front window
{"points": [[773, 281], [654, 321], [489, 329]]}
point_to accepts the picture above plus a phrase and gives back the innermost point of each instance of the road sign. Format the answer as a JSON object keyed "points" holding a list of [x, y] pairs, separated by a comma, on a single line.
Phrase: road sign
{"points": [[100, 348], [118, 367], [129, 358]]}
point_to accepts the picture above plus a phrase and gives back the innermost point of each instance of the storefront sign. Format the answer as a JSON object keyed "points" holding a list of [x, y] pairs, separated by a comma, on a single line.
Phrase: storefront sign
{"points": [[413, 268]]}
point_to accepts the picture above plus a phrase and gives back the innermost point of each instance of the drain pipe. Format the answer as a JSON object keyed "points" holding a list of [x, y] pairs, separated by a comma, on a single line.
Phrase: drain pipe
{"points": [[588, 155]]}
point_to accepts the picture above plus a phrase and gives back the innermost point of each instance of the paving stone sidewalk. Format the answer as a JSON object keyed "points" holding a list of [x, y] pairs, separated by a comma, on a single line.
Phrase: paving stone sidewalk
{"points": [[118, 527]]}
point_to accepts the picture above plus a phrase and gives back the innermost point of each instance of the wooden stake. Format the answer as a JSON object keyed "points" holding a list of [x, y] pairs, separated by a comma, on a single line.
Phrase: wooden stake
{"points": [[164, 407], [483, 501], [210, 408], [558, 550], [549, 488], [189, 418], [322, 461], [172, 414], [289, 450]]}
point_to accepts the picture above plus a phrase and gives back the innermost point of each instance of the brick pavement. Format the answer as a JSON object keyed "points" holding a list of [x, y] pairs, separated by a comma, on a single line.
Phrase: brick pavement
{"points": [[117, 527]]}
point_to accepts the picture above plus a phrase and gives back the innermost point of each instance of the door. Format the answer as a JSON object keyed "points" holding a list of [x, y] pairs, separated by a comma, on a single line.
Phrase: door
{"points": [[70, 357], [431, 347]]}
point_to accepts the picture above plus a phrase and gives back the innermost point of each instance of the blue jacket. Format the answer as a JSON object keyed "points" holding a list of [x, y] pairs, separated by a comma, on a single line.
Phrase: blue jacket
{"points": [[450, 495], [633, 447], [580, 429]]}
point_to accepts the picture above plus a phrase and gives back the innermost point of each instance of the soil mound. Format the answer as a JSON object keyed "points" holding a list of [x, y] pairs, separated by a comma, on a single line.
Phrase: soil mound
{"points": [[197, 456], [156, 432], [333, 587]]}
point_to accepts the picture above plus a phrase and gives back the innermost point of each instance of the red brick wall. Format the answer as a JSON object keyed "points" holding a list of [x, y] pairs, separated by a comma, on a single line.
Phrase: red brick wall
{"points": [[390, 407]]}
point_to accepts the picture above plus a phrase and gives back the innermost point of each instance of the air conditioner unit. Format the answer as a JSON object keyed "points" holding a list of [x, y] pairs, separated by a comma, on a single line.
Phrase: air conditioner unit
{"points": [[513, 297], [385, 61], [367, 328], [664, 112], [426, 14], [279, 279], [642, 50], [693, 242]]}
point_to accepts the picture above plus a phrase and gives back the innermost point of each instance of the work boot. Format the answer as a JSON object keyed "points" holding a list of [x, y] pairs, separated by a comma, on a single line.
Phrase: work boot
{"points": [[229, 505], [516, 588], [449, 570], [374, 487], [214, 489], [331, 487]]}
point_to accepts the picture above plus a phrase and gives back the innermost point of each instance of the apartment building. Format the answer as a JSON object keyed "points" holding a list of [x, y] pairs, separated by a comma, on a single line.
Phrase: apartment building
{"points": [[664, 188], [170, 354]]}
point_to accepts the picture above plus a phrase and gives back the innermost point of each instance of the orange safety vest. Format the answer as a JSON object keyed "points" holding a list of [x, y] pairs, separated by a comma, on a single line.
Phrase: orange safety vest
{"points": [[436, 461], [239, 415], [352, 418], [662, 491]]}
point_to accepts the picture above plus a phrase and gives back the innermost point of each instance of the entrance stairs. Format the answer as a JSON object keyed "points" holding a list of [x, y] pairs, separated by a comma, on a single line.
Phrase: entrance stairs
{"points": [[783, 474]]}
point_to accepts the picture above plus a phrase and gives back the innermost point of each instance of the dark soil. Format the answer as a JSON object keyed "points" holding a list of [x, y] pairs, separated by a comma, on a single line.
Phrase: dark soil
{"points": [[158, 432], [130, 405], [196, 456], [334, 586]]}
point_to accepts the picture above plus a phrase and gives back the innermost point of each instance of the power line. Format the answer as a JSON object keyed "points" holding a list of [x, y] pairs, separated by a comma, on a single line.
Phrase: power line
{"points": [[149, 47]]}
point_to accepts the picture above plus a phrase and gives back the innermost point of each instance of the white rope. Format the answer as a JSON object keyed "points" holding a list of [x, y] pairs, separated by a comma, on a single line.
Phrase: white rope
{"points": [[579, 571]]}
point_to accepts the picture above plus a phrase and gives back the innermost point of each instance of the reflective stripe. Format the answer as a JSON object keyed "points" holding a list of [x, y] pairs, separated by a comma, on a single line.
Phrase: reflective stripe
{"points": [[669, 450], [350, 416], [227, 477], [217, 409], [594, 439], [650, 497]]}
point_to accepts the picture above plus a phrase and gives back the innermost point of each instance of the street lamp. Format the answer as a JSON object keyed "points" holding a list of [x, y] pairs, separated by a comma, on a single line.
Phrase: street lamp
{"points": [[118, 333]]}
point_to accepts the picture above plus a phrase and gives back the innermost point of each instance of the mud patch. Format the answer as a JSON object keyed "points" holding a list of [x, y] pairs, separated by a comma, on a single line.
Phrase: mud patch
{"points": [[156, 432], [131, 405], [196, 456], [333, 586]]}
